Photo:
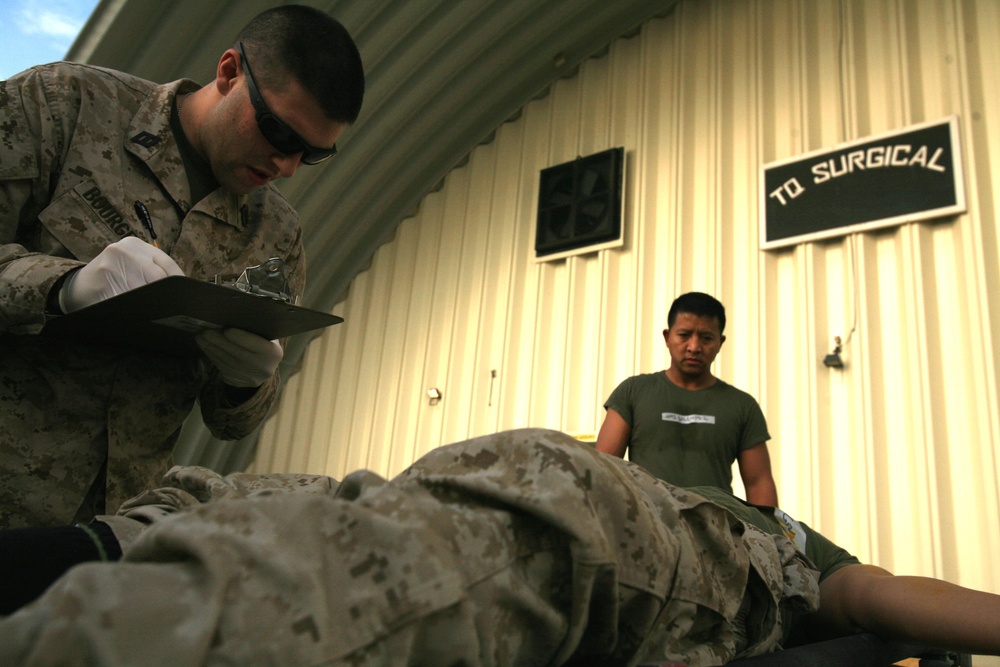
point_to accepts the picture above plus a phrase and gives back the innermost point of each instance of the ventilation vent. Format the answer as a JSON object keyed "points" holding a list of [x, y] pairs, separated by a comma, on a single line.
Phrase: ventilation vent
{"points": [[580, 206]]}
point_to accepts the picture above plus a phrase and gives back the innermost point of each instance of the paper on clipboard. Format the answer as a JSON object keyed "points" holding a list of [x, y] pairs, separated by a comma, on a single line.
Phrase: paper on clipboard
{"points": [[165, 315]]}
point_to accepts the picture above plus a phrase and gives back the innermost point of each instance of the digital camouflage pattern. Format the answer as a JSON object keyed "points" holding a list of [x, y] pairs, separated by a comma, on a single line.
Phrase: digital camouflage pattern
{"points": [[521, 548], [79, 145]]}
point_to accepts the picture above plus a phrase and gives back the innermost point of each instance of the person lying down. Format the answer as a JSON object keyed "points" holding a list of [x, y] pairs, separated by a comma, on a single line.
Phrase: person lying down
{"points": [[521, 548]]}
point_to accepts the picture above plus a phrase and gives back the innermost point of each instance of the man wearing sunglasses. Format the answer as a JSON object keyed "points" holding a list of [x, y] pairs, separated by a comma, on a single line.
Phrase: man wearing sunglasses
{"points": [[109, 182]]}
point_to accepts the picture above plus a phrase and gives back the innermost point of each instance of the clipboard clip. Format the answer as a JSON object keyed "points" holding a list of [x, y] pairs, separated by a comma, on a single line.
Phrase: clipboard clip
{"points": [[267, 280]]}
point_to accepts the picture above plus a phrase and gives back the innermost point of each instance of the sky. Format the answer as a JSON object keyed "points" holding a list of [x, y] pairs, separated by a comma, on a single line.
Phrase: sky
{"points": [[38, 31]]}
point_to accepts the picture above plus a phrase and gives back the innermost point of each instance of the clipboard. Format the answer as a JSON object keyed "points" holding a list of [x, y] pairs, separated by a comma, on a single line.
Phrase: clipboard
{"points": [[164, 316]]}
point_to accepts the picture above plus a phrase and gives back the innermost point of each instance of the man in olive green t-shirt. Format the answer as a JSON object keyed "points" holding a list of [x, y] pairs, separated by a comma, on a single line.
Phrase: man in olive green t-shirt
{"points": [[685, 425]]}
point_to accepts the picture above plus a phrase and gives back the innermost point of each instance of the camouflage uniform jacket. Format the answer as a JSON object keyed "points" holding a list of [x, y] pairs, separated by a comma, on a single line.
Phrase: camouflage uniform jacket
{"points": [[521, 548], [79, 146]]}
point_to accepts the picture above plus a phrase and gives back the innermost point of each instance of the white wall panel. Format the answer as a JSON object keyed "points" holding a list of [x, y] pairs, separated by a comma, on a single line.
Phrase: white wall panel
{"points": [[896, 456]]}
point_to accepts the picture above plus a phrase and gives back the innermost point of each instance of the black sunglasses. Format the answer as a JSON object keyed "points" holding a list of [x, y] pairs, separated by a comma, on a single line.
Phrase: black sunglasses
{"points": [[279, 135]]}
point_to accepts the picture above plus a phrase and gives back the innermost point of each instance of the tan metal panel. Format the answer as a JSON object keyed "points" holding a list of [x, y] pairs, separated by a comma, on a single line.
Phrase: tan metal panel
{"points": [[896, 456], [498, 256], [410, 409]]}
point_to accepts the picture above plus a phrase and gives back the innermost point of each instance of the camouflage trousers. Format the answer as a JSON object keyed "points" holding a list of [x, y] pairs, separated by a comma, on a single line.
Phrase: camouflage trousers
{"points": [[521, 548]]}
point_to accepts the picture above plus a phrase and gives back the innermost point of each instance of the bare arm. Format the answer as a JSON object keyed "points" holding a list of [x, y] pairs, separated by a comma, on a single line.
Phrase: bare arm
{"points": [[866, 598], [755, 469], [614, 435]]}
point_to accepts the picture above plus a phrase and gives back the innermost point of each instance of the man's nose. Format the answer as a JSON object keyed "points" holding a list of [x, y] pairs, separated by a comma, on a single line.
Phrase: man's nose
{"points": [[693, 345], [287, 164]]}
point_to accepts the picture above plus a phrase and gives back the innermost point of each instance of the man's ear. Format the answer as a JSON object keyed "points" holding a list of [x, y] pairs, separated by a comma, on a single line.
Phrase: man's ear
{"points": [[666, 335], [722, 339], [227, 71]]}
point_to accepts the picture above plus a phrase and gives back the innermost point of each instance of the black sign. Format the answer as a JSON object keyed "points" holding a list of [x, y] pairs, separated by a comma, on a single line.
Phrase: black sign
{"points": [[913, 174]]}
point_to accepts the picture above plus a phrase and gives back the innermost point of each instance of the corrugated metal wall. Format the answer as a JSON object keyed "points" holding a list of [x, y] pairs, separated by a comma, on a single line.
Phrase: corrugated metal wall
{"points": [[896, 456]]}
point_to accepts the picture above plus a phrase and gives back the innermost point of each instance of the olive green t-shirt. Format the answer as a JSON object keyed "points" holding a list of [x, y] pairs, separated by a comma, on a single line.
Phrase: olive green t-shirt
{"points": [[684, 437]]}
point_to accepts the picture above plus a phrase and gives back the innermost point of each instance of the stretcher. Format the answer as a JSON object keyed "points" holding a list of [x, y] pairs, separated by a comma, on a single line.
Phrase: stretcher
{"points": [[863, 650]]}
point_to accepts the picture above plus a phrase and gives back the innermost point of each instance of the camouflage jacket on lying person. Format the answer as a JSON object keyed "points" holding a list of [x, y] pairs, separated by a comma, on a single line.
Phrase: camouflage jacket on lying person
{"points": [[525, 547]]}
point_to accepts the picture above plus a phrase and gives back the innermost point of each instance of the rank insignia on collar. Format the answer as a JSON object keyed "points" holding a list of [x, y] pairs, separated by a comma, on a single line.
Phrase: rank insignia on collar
{"points": [[146, 139]]}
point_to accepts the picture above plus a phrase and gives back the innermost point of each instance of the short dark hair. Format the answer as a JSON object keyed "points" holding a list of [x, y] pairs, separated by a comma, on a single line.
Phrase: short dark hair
{"points": [[315, 49], [700, 304]]}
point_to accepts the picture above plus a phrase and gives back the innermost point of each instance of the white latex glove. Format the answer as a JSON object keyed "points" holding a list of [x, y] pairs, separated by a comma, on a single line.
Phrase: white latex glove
{"points": [[122, 266], [243, 359]]}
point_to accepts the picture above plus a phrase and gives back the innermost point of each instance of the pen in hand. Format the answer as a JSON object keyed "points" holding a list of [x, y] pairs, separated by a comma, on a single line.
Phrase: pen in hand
{"points": [[147, 221]]}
